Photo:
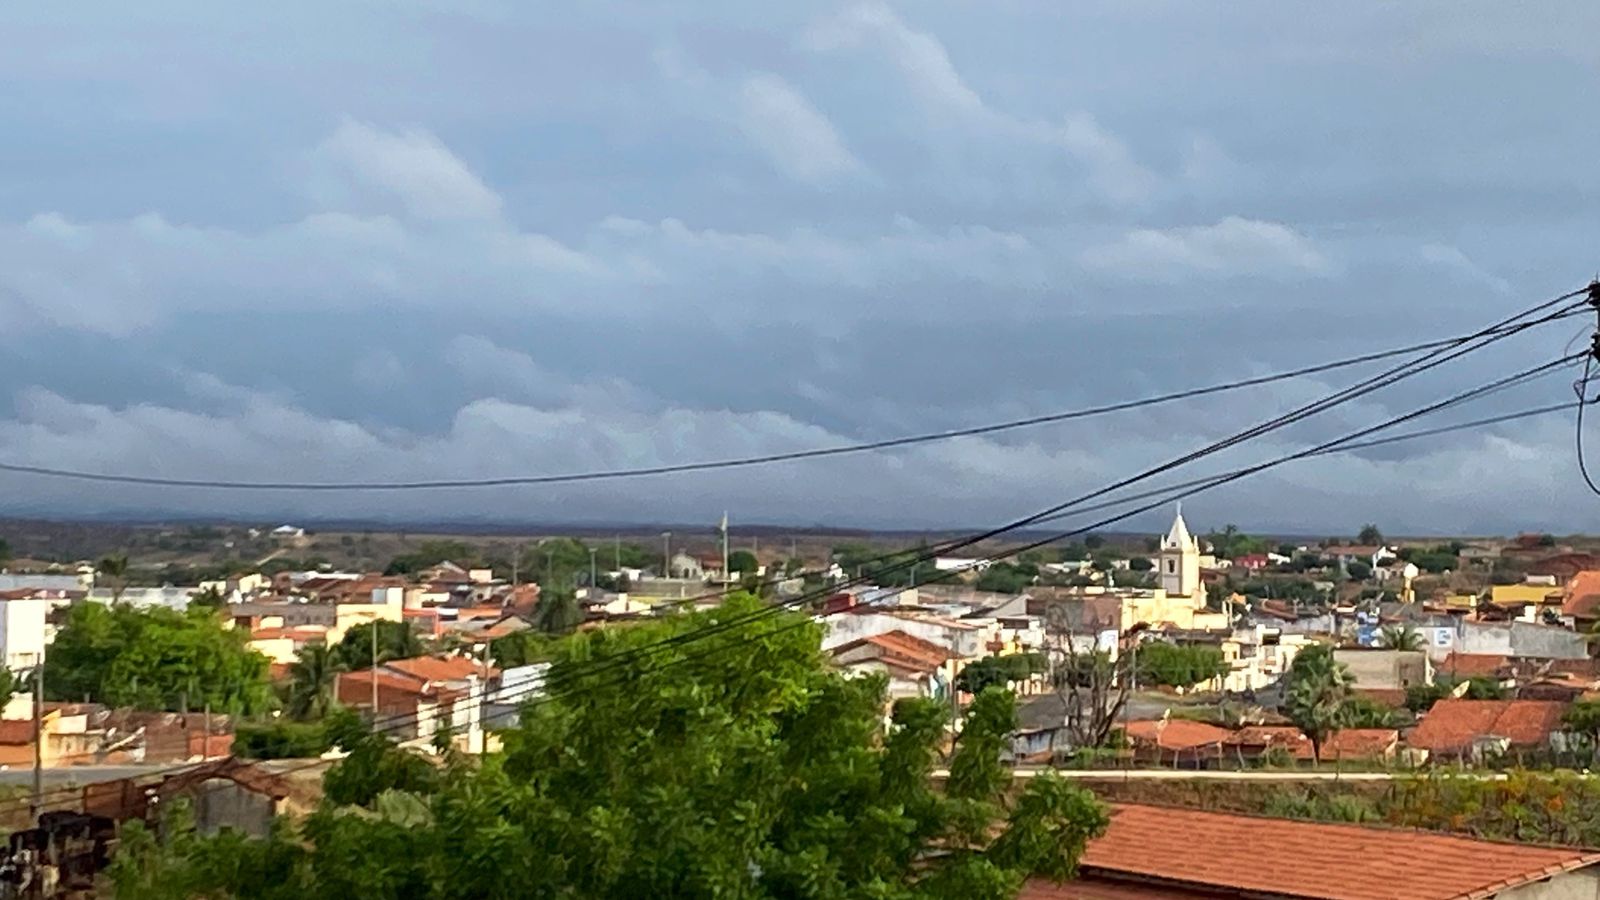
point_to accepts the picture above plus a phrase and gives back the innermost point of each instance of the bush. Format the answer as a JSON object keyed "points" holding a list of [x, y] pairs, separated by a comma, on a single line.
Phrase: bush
{"points": [[280, 739]]}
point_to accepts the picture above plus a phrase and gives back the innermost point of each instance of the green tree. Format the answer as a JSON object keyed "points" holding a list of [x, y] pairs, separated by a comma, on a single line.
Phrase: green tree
{"points": [[312, 679], [115, 570], [155, 659], [1358, 570], [743, 562], [1401, 637], [210, 598], [557, 563], [521, 648], [431, 553], [5, 552], [558, 612], [739, 765], [998, 671], [1365, 712], [1583, 717], [1179, 665], [1369, 536], [1005, 578], [1317, 693], [396, 640]]}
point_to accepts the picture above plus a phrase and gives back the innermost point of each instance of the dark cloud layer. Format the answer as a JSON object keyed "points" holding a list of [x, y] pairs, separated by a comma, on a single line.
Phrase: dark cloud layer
{"points": [[476, 239]]}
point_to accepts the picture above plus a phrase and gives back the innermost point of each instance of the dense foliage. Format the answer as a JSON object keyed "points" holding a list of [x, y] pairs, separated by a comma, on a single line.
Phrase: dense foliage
{"points": [[1179, 665], [155, 659], [999, 671], [736, 766], [396, 640], [429, 554], [1317, 694]]}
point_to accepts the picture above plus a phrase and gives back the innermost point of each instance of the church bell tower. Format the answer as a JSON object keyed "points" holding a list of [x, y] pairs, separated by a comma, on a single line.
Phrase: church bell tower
{"points": [[1179, 560]]}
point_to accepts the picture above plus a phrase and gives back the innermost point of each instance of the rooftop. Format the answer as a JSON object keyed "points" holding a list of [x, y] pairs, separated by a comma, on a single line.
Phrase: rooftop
{"points": [[1157, 846], [1176, 734], [1452, 726]]}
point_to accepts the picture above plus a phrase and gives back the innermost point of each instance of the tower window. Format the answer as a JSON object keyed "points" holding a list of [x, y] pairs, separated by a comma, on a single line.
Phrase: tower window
{"points": [[1171, 567]]}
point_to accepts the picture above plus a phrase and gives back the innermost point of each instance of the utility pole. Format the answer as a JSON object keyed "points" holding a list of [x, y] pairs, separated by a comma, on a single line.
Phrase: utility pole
{"points": [[374, 674], [666, 554], [616, 546], [727, 577], [593, 583], [205, 749], [38, 743]]}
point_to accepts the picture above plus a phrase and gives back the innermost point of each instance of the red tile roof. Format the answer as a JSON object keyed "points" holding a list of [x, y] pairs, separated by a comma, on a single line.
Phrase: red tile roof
{"points": [[1176, 734], [1581, 599], [905, 651], [1394, 698], [1475, 665], [1351, 743], [1100, 889], [1452, 725], [439, 668], [1158, 846]]}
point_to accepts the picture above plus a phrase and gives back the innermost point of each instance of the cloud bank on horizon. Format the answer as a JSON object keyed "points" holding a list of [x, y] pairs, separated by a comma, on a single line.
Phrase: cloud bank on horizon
{"points": [[440, 240]]}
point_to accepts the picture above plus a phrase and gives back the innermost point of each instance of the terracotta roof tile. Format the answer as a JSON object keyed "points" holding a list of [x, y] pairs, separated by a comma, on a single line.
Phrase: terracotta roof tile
{"points": [[1176, 734], [1100, 889], [439, 668], [1475, 665], [1337, 862], [1351, 743], [1581, 599], [1451, 726], [1394, 698], [902, 650]]}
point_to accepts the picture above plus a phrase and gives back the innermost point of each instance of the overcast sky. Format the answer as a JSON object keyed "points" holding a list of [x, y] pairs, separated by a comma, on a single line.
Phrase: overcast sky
{"points": [[345, 241]]}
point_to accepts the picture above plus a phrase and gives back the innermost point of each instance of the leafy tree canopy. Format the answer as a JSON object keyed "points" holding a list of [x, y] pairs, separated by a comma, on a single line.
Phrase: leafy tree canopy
{"points": [[998, 671], [743, 561], [1179, 665], [431, 553], [396, 640], [1317, 694], [155, 659], [737, 766]]}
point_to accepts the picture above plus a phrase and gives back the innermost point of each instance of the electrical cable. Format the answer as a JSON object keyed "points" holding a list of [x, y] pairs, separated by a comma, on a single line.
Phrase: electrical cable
{"points": [[1372, 384], [1499, 331], [739, 462]]}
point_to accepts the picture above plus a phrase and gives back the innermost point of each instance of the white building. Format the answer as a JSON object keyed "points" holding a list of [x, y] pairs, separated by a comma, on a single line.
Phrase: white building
{"points": [[960, 564], [173, 598]]}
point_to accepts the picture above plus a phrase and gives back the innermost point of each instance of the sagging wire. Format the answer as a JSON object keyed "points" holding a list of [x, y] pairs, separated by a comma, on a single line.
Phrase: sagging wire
{"points": [[1581, 388]]}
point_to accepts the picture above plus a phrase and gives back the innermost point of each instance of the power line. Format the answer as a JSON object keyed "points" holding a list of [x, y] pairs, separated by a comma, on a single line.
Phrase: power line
{"points": [[1395, 374], [388, 725], [738, 462], [1463, 346]]}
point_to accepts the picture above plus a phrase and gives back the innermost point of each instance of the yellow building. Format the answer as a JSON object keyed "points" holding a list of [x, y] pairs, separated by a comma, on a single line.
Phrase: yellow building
{"points": [[1181, 598], [1523, 593]]}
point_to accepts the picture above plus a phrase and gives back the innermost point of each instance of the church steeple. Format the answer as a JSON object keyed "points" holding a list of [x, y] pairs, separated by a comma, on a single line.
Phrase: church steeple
{"points": [[1178, 537], [1180, 560]]}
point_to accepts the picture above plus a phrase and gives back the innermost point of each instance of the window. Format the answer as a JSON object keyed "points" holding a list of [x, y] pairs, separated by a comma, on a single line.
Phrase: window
{"points": [[1171, 567]]}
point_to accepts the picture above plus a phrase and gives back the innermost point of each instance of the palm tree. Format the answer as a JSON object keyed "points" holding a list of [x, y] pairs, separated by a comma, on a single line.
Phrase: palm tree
{"points": [[115, 569], [1318, 695], [558, 612], [312, 678], [1401, 637]]}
